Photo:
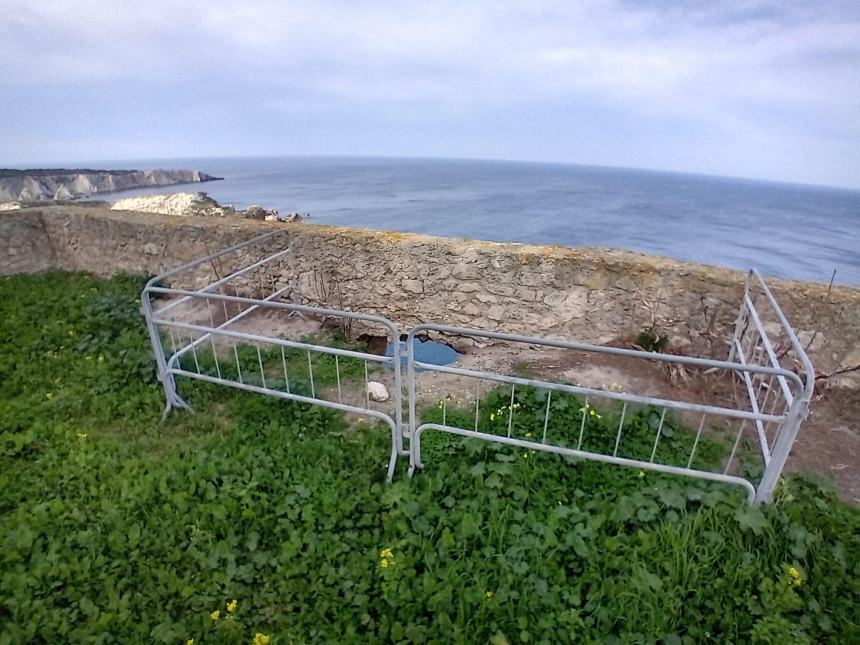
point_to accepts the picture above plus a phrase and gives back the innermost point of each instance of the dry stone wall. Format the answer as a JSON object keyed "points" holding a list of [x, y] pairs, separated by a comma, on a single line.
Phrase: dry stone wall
{"points": [[588, 294], [24, 244]]}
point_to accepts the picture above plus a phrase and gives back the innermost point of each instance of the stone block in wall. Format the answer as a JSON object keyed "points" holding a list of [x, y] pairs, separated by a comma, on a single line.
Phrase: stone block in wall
{"points": [[463, 271], [496, 313], [469, 287], [414, 286]]}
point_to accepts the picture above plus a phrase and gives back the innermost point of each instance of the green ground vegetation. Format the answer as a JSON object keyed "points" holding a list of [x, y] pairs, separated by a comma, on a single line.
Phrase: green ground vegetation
{"points": [[115, 528]]}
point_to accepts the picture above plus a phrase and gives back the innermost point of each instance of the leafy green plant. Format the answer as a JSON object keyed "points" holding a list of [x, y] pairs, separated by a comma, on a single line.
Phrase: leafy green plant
{"points": [[652, 341], [115, 528]]}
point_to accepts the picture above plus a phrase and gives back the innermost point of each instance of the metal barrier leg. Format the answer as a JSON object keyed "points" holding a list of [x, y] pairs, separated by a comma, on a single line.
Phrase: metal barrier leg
{"points": [[778, 456], [166, 378]]}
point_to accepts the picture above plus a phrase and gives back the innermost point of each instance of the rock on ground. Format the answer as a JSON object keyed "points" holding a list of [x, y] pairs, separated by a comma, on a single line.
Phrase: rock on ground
{"points": [[377, 391]]}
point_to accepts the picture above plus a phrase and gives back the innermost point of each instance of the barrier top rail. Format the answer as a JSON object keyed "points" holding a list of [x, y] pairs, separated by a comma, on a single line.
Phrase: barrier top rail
{"points": [[618, 351], [190, 265], [808, 369]]}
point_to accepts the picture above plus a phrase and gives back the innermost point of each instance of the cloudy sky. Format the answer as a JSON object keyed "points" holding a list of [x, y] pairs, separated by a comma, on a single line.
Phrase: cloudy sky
{"points": [[769, 90]]}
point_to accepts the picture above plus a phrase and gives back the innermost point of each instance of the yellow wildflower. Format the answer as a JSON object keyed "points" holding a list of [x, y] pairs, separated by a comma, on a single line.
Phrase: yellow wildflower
{"points": [[260, 639], [215, 615], [492, 416], [384, 563], [794, 577], [386, 553], [231, 606], [101, 358], [49, 395], [641, 474], [528, 434], [82, 435], [190, 641], [489, 594]]}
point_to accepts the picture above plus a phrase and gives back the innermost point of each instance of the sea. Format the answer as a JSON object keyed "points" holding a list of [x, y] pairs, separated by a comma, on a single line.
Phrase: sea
{"points": [[784, 230]]}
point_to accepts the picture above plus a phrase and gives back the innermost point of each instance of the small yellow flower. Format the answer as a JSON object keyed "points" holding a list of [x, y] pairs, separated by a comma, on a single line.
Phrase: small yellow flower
{"points": [[641, 474], [82, 435], [215, 615], [386, 553], [260, 639], [101, 358], [231, 606], [49, 395], [795, 579], [489, 595], [190, 641], [528, 434], [492, 416], [384, 563], [584, 408]]}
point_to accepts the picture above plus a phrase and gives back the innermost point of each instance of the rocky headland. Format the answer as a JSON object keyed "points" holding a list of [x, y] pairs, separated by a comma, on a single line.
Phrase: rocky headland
{"points": [[197, 205], [64, 184]]}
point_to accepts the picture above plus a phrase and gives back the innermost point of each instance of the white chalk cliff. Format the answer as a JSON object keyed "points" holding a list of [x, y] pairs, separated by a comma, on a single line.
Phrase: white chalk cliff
{"points": [[39, 185]]}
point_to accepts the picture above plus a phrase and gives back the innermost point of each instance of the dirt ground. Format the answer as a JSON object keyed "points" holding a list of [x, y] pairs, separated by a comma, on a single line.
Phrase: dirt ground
{"points": [[828, 442]]}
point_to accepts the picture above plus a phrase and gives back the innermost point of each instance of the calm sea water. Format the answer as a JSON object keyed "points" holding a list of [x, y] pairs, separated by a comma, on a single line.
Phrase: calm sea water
{"points": [[784, 230]]}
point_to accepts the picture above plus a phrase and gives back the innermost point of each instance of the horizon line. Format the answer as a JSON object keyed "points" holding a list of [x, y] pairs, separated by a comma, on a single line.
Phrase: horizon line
{"points": [[65, 165]]}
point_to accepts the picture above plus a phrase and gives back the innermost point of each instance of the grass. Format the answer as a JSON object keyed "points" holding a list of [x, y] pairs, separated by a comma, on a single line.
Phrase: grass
{"points": [[117, 529]]}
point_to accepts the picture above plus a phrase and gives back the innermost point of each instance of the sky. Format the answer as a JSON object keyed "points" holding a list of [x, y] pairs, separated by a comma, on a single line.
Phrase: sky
{"points": [[750, 89]]}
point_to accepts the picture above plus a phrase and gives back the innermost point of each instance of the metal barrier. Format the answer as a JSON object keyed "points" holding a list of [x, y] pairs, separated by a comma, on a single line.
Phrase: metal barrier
{"points": [[203, 329], [199, 326], [751, 346]]}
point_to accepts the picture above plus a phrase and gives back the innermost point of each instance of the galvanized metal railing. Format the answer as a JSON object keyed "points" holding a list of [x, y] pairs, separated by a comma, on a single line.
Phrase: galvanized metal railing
{"points": [[195, 335], [590, 395], [202, 334], [753, 345]]}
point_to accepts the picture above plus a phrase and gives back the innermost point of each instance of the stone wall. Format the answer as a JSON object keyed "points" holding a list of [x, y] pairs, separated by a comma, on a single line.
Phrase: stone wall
{"points": [[24, 243], [588, 294]]}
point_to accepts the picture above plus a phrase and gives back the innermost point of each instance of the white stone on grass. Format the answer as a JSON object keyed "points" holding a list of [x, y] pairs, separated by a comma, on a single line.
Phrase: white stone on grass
{"points": [[377, 391]]}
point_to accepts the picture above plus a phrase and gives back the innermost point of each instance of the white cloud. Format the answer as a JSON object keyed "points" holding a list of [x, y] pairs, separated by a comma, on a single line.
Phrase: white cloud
{"points": [[729, 67]]}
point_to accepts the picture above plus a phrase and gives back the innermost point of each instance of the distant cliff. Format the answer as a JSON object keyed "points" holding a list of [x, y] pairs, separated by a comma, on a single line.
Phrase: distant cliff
{"points": [[49, 184]]}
